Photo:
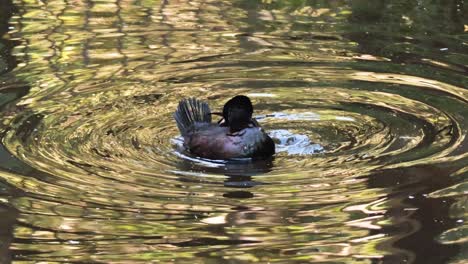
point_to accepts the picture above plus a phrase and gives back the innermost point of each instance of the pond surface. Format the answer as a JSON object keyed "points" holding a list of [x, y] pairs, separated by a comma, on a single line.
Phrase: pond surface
{"points": [[367, 101]]}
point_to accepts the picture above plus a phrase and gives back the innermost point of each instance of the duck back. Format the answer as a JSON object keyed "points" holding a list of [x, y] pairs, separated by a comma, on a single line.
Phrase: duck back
{"points": [[215, 142]]}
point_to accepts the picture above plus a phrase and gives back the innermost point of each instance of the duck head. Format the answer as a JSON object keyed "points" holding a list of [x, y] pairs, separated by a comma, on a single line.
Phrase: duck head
{"points": [[237, 113]]}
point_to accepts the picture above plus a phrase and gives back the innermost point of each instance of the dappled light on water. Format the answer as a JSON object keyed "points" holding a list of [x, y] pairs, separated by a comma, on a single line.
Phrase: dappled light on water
{"points": [[367, 111]]}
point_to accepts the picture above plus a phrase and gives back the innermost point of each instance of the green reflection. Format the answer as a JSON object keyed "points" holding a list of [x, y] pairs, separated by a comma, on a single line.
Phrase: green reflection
{"points": [[381, 87]]}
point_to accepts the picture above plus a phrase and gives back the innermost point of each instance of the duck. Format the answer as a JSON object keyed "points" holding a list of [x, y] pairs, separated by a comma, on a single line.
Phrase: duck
{"points": [[236, 135]]}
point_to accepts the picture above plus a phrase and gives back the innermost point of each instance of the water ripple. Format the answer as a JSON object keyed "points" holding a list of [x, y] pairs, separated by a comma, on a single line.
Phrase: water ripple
{"points": [[359, 135]]}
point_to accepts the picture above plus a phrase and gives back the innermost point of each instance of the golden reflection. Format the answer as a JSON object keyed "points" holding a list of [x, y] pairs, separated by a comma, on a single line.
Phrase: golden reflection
{"points": [[108, 178]]}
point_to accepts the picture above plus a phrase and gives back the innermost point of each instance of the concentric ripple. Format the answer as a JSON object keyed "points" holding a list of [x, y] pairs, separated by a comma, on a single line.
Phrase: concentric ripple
{"points": [[325, 128], [111, 182]]}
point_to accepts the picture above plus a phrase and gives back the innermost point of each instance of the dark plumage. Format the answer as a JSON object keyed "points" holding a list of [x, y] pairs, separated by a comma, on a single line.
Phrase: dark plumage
{"points": [[236, 135]]}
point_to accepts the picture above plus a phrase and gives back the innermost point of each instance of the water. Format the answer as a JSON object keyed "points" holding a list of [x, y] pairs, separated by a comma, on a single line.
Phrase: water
{"points": [[367, 102]]}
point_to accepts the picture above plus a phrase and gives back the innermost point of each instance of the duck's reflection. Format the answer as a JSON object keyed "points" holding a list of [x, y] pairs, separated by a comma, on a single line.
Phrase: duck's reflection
{"points": [[240, 175]]}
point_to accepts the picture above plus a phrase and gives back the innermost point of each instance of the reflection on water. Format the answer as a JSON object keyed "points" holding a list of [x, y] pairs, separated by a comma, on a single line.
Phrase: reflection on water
{"points": [[366, 101]]}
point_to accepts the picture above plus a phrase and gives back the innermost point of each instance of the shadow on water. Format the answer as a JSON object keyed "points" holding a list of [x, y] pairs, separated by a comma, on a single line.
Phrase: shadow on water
{"points": [[9, 91], [414, 218]]}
